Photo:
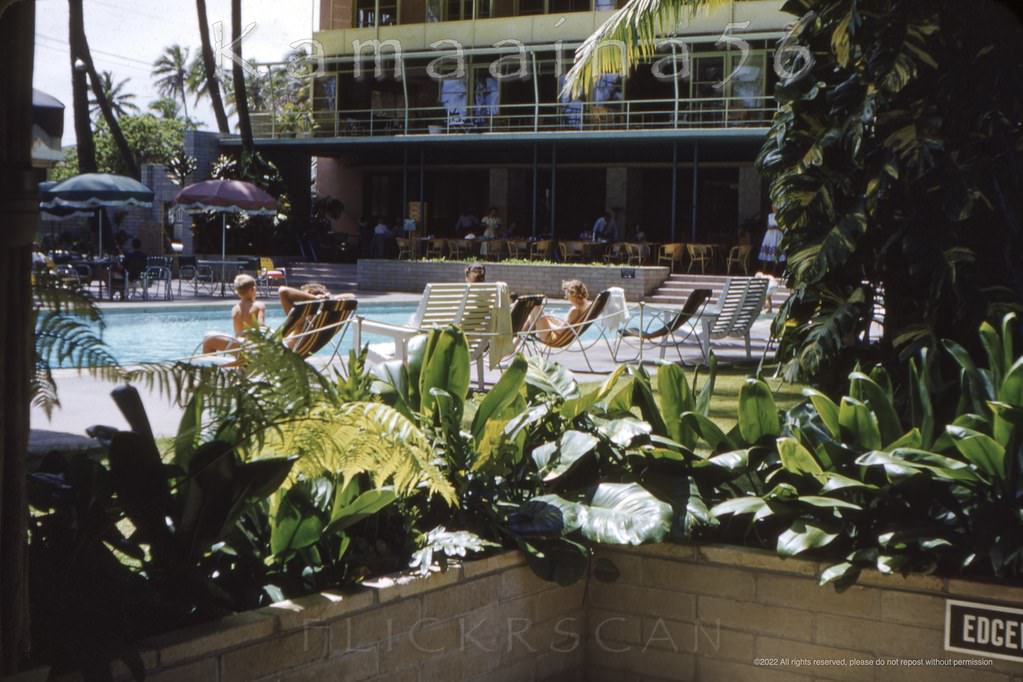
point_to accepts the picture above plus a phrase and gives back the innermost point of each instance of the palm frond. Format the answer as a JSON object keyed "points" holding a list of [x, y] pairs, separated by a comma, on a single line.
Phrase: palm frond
{"points": [[628, 36]]}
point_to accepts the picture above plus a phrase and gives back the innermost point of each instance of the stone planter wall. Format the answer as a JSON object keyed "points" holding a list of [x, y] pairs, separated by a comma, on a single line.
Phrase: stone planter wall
{"points": [[660, 612], [522, 278]]}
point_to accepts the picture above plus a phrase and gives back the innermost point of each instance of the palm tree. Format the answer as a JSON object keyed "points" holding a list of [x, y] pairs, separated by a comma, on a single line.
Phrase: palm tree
{"points": [[82, 60], [166, 107], [171, 74], [120, 102], [212, 88], [86, 146], [241, 103], [635, 26]]}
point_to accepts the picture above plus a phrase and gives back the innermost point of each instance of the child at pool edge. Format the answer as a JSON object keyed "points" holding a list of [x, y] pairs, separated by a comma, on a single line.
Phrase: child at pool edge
{"points": [[548, 326], [247, 312]]}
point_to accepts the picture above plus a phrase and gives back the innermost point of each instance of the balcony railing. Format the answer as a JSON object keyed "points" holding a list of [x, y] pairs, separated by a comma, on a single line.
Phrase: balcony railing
{"points": [[627, 115]]}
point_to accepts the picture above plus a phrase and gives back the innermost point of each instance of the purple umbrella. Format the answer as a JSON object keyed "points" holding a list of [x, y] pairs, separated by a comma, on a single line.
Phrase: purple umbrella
{"points": [[223, 197]]}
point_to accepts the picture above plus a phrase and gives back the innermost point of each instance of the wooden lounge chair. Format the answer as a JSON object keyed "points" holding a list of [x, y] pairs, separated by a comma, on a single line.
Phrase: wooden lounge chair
{"points": [[566, 337], [664, 332], [735, 312], [475, 308]]}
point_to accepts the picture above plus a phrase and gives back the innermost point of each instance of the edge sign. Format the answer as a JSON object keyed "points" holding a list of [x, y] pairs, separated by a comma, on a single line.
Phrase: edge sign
{"points": [[984, 629]]}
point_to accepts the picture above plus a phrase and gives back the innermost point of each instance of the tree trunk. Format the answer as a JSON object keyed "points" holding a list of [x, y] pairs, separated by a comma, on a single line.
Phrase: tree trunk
{"points": [[80, 90], [20, 218], [241, 102], [127, 155], [212, 82]]}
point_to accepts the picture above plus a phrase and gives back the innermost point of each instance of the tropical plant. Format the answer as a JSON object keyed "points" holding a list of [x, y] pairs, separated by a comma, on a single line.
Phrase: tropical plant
{"points": [[857, 482], [150, 138], [120, 102], [885, 192], [170, 71], [164, 543]]}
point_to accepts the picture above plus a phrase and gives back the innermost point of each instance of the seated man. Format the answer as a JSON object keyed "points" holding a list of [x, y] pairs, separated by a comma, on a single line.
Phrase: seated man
{"points": [[247, 312]]}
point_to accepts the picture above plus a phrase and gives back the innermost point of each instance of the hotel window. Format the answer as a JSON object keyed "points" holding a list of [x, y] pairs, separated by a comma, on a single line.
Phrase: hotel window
{"points": [[366, 13]]}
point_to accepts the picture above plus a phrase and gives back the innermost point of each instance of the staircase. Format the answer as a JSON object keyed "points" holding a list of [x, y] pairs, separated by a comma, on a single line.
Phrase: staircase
{"points": [[677, 287], [337, 277]]}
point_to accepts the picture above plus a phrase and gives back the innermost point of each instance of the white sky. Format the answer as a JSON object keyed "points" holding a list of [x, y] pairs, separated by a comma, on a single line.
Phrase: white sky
{"points": [[127, 36]]}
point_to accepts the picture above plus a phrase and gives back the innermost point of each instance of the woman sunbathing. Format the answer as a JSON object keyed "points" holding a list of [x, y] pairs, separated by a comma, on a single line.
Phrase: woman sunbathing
{"points": [[549, 328]]}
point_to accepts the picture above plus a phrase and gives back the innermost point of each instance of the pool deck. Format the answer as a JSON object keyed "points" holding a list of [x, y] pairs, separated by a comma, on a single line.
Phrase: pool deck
{"points": [[85, 401]]}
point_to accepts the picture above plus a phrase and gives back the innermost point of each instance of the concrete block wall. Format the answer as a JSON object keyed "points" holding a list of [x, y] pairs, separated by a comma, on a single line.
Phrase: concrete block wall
{"points": [[671, 612], [491, 620], [412, 276], [725, 613]]}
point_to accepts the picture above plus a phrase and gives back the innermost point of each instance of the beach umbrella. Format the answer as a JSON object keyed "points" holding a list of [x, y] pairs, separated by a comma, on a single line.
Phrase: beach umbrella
{"points": [[223, 197], [96, 191]]}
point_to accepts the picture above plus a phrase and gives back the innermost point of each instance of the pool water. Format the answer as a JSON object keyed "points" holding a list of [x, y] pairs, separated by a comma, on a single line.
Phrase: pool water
{"points": [[168, 334]]}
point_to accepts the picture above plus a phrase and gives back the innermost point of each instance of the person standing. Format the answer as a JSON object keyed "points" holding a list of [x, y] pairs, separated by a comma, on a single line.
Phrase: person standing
{"points": [[770, 252]]}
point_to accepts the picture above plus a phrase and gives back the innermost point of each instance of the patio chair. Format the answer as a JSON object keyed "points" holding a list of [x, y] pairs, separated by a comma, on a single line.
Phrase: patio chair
{"points": [[270, 276], [566, 337], [671, 254], [738, 256], [435, 249], [404, 248], [480, 310], [458, 248], [616, 253], [736, 310], [699, 254], [633, 254], [540, 250], [518, 248], [662, 330], [158, 271]]}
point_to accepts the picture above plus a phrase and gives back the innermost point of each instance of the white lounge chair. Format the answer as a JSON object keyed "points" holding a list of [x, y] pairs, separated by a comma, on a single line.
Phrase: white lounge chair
{"points": [[480, 310], [733, 315]]}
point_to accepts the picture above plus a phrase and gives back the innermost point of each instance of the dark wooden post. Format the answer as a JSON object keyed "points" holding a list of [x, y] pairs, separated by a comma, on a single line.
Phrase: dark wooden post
{"points": [[19, 216]]}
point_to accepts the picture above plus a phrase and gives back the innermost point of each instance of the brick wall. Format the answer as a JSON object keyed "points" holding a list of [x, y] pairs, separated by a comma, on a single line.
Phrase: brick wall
{"points": [[671, 612], [412, 276]]}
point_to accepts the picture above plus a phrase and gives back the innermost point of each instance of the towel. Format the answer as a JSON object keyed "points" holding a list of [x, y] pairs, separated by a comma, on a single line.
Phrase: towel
{"points": [[501, 343], [616, 312]]}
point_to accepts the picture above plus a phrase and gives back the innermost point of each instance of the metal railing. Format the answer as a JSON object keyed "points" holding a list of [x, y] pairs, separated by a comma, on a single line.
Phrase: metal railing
{"points": [[626, 115]]}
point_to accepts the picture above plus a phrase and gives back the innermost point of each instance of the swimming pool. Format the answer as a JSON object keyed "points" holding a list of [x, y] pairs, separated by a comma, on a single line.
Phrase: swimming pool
{"points": [[165, 334]]}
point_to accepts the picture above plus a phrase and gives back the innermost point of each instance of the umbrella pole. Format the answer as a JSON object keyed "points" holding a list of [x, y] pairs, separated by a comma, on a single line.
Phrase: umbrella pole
{"points": [[223, 251], [100, 212]]}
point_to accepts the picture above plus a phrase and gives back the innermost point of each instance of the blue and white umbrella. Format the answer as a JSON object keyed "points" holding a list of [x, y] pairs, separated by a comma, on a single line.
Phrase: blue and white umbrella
{"points": [[96, 191]]}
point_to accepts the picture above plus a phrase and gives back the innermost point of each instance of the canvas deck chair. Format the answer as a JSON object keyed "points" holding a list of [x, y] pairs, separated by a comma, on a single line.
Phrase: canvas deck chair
{"points": [[311, 325], [664, 328], [735, 312], [569, 336], [480, 310]]}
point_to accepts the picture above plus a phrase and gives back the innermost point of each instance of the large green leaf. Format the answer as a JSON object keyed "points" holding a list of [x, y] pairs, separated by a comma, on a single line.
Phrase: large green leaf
{"points": [[758, 413], [796, 458], [826, 409], [643, 397], [710, 432], [624, 431], [802, 536], [445, 366], [979, 449], [738, 506], [624, 514], [347, 513], [296, 522], [866, 390], [676, 399], [859, 424], [1011, 389], [543, 376], [557, 458], [573, 407], [545, 516], [503, 394]]}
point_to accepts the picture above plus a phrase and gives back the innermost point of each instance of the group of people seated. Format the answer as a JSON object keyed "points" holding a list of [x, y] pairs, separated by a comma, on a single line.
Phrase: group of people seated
{"points": [[249, 312]]}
